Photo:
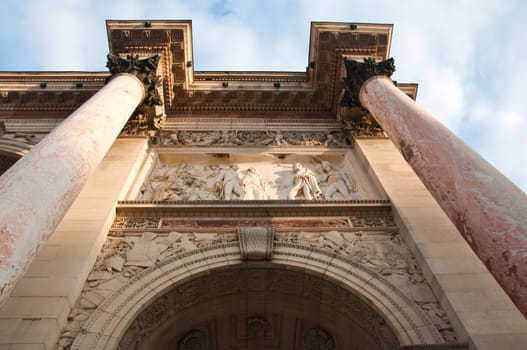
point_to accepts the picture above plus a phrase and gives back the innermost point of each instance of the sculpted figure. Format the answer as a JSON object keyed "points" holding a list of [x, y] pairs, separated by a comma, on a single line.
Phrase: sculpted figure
{"points": [[229, 182], [252, 185], [333, 140], [338, 183], [304, 181], [279, 139], [276, 139], [145, 250]]}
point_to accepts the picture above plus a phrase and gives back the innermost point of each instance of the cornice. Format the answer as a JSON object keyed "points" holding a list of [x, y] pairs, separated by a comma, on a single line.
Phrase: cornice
{"points": [[313, 93], [252, 209], [47, 91]]}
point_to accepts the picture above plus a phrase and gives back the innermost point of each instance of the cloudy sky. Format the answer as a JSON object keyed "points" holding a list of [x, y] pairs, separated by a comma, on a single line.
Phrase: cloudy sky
{"points": [[466, 55]]}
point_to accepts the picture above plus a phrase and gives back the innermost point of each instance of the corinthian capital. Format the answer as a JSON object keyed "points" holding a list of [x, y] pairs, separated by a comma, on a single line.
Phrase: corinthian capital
{"points": [[144, 69], [358, 72]]}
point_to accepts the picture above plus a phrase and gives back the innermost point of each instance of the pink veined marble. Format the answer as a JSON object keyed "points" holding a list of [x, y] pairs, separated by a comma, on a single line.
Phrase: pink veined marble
{"points": [[486, 207], [36, 192]]}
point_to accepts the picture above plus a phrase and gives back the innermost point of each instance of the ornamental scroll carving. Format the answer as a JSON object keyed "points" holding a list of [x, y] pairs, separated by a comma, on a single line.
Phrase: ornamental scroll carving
{"points": [[316, 179], [262, 138], [358, 122]]}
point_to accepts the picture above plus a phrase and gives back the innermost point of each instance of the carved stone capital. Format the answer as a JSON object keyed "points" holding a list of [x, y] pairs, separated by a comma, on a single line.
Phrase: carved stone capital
{"points": [[353, 116], [145, 119], [358, 72], [144, 69]]}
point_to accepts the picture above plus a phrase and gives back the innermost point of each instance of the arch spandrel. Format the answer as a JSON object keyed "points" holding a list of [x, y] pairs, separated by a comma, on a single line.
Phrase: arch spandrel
{"points": [[113, 317]]}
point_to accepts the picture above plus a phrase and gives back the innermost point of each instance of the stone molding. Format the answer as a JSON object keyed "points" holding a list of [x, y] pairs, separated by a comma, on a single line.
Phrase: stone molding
{"points": [[254, 208], [187, 91], [252, 138]]}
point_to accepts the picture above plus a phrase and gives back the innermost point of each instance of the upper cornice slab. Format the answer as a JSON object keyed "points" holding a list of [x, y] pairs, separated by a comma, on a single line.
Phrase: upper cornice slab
{"points": [[313, 93], [187, 91]]}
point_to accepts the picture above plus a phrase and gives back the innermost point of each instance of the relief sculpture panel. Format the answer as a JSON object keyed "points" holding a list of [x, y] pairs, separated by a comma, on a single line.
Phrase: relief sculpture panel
{"points": [[296, 177]]}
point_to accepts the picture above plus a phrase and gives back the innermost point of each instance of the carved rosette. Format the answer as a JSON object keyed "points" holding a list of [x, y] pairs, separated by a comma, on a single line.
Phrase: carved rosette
{"points": [[145, 120]]}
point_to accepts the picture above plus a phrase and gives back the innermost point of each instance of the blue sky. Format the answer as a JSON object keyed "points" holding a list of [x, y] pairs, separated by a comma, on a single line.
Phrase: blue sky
{"points": [[466, 55]]}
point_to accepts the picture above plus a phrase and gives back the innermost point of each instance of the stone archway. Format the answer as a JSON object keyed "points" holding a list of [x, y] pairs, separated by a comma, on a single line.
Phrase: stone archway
{"points": [[259, 306], [164, 303]]}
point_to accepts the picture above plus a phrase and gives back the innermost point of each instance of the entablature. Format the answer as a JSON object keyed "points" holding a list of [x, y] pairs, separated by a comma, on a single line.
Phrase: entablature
{"points": [[201, 95]]}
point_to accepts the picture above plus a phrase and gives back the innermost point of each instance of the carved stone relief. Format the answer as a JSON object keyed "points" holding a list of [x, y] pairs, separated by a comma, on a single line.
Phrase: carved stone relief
{"points": [[358, 122], [313, 178], [385, 253], [122, 258], [371, 221], [266, 138], [128, 254], [221, 221], [136, 223]]}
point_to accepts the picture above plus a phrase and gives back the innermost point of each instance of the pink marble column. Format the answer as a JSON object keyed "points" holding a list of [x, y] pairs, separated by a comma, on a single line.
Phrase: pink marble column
{"points": [[37, 191], [487, 208]]}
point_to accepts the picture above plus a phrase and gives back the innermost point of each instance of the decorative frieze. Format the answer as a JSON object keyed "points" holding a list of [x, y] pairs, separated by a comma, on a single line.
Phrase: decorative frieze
{"points": [[136, 223], [371, 220], [248, 138]]}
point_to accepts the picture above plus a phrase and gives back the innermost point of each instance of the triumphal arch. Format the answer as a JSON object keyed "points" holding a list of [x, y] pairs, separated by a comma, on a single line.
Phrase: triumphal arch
{"points": [[184, 209]]}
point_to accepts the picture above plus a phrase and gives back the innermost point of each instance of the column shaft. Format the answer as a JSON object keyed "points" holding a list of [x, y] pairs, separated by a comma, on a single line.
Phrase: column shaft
{"points": [[36, 192], [487, 208]]}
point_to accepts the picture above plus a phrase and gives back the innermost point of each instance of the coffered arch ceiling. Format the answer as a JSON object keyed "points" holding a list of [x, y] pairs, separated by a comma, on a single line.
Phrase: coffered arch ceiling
{"points": [[259, 307]]}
